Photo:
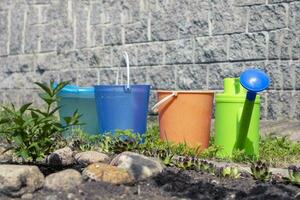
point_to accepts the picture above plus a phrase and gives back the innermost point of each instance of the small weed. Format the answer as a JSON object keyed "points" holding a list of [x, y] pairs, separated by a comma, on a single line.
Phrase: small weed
{"points": [[294, 175], [230, 172], [260, 171]]}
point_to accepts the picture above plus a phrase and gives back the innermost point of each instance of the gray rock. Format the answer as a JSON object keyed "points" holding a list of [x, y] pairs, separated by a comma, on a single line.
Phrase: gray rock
{"points": [[162, 77], [140, 166], [63, 180], [226, 18], [247, 46], [180, 51], [61, 157], [136, 32], [27, 196], [90, 157], [5, 155], [192, 77], [113, 35], [267, 17], [209, 49], [150, 54], [16, 180]]}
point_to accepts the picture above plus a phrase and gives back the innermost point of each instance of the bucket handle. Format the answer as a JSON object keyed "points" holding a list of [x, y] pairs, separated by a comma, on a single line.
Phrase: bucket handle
{"points": [[126, 57], [155, 107]]}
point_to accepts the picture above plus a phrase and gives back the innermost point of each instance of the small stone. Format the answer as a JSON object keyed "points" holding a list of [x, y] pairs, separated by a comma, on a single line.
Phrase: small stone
{"points": [[139, 166], [27, 196], [297, 196], [107, 173], [16, 180], [63, 180], [5, 155], [90, 157], [61, 157]]}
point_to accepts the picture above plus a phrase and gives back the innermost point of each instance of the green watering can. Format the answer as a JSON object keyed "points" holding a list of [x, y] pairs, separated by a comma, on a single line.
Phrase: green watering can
{"points": [[238, 112]]}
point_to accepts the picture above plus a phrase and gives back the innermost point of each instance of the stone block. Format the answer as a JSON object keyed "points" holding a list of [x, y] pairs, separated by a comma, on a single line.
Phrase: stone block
{"points": [[87, 77], [3, 33], [33, 15], [97, 12], [283, 44], [211, 49], [20, 63], [16, 28], [138, 75], [65, 38], [192, 17], [97, 35], [162, 77], [296, 66], [32, 35], [100, 57], [118, 55], [108, 76], [267, 17], [273, 69], [24, 80], [288, 75], [163, 27], [297, 108], [274, 105], [113, 35], [247, 46], [136, 32], [12, 97], [150, 54], [249, 2], [217, 73], [48, 76], [70, 75], [226, 18], [81, 16], [263, 105], [191, 77], [294, 16], [288, 105], [48, 37], [179, 51]]}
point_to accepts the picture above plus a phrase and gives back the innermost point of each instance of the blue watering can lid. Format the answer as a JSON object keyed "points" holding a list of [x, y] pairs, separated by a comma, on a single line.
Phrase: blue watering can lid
{"points": [[254, 80], [73, 89]]}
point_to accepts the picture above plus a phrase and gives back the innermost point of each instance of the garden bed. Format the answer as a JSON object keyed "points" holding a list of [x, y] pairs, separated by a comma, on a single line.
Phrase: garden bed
{"points": [[174, 183]]}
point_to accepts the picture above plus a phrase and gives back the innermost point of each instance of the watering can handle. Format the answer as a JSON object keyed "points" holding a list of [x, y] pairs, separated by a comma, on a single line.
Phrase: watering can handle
{"points": [[126, 57], [155, 107]]}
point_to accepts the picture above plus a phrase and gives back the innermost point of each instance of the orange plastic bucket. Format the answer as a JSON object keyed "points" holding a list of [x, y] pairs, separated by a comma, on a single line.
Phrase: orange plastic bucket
{"points": [[185, 116]]}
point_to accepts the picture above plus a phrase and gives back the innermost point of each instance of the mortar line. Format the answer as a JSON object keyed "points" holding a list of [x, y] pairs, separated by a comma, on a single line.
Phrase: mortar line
{"points": [[88, 27]]}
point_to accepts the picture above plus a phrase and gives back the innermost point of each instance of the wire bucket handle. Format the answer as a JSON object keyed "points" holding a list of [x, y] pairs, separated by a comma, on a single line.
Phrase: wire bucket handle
{"points": [[126, 57], [156, 106]]}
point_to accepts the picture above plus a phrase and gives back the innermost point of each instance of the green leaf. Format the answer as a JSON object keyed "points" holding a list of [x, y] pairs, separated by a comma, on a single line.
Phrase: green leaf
{"points": [[60, 86], [25, 107], [45, 88]]}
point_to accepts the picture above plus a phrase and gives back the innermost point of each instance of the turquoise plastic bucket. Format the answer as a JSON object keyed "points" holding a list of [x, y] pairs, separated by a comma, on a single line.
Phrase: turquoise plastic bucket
{"points": [[82, 99]]}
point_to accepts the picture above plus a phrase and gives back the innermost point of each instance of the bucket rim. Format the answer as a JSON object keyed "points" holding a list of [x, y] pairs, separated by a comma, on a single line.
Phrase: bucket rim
{"points": [[187, 91], [123, 85]]}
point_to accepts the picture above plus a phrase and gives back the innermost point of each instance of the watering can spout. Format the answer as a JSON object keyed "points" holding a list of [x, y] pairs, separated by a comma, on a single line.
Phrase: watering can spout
{"points": [[253, 80]]}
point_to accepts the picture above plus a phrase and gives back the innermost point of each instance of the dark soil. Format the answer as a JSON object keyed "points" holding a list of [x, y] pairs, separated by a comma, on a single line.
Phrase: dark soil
{"points": [[177, 184]]}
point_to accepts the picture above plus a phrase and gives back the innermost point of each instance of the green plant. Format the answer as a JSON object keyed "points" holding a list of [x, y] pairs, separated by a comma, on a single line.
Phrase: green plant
{"points": [[294, 174], [230, 172], [185, 163], [279, 151], [34, 132], [260, 171]]}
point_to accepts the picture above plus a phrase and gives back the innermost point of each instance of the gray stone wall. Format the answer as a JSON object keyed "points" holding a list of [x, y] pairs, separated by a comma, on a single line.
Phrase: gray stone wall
{"points": [[172, 44]]}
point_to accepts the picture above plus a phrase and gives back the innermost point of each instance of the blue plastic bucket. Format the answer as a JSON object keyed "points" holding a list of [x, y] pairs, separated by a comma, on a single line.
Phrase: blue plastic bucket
{"points": [[82, 99], [122, 107]]}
